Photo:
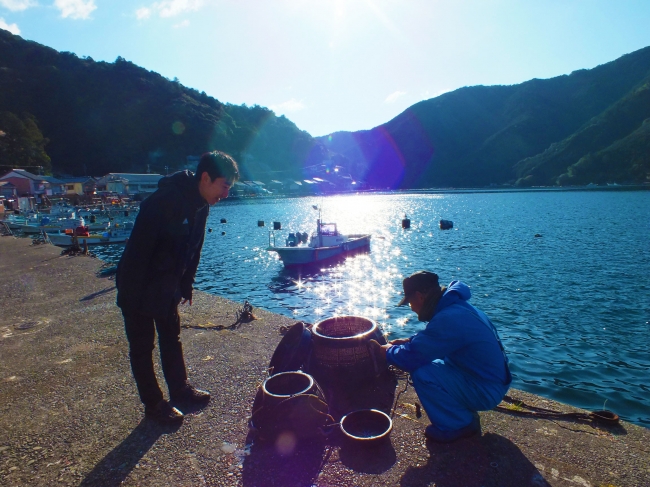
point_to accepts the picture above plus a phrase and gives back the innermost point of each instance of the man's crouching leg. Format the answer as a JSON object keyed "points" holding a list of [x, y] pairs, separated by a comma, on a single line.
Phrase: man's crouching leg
{"points": [[446, 398]]}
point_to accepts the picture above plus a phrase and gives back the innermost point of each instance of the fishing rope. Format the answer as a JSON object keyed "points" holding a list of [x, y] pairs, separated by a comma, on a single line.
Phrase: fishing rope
{"points": [[399, 375], [602, 417]]}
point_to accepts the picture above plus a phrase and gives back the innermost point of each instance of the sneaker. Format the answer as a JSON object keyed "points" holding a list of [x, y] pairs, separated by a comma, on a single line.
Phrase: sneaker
{"points": [[190, 396], [163, 412], [439, 436]]}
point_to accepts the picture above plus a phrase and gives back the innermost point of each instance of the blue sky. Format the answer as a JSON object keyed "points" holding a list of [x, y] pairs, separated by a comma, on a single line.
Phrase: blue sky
{"points": [[333, 65]]}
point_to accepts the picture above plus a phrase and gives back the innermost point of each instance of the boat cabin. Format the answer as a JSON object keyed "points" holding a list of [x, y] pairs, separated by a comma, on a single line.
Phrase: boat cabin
{"points": [[326, 235], [328, 230]]}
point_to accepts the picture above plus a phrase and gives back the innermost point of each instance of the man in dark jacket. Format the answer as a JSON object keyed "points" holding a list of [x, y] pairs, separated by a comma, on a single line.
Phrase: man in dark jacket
{"points": [[156, 272], [457, 363]]}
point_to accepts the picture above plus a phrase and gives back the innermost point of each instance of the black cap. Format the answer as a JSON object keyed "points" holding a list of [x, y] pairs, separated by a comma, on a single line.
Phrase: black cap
{"points": [[421, 281]]}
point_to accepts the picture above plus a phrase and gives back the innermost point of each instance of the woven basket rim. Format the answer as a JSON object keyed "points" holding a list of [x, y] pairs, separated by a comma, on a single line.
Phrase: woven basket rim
{"points": [[289, 372], [372, 328], [373, 412]]}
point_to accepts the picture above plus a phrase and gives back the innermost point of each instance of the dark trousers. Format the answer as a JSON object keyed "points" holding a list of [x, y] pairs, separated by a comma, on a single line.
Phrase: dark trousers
{"points": [[140, 331]]}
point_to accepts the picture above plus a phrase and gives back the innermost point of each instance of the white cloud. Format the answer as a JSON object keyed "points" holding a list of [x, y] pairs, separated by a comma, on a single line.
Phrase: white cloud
{"points": [[180, 25], [143, 13], [288, 106], [13, 28], [75, 9], [169, 8], [17, 5], [394, 96]]}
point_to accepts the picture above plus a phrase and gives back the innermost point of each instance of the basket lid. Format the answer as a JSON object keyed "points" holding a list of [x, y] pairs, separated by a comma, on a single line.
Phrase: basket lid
{"points": [[292, 351]]}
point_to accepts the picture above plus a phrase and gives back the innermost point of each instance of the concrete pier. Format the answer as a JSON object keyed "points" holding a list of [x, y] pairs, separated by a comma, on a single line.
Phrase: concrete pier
{"points": [[70, 413]]}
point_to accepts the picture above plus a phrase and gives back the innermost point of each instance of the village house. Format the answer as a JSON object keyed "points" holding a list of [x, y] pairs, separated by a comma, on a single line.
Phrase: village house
{"points": [[28, 184], [79, 185], [8, 190], [128, 184]]}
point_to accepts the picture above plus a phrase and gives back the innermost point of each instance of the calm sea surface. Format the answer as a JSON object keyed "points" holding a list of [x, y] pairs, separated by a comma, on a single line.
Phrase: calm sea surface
{"points": [[572, 305]]}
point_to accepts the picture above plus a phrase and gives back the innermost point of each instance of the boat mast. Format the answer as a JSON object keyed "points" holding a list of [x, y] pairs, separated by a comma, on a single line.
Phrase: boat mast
{"points": [[318, 232]]}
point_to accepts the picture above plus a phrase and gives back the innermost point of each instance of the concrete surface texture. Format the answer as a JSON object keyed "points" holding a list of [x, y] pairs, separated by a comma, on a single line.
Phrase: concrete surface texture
{"points": [[70, 413]]}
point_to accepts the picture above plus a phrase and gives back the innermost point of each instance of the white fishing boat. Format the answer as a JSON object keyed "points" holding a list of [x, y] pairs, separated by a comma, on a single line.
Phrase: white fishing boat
{"points": [[118, 234], [15, 222], [96, 220], [323, 245], [48, 224]]}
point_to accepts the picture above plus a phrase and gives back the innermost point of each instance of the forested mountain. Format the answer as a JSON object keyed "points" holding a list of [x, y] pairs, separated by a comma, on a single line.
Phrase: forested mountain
{"points": [[612, 146], [117, 117], [91, 118], [574, 129]]}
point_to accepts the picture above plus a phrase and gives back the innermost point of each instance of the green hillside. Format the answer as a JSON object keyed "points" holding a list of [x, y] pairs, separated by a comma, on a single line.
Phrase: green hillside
{"points": [[626, 160], [479, 136], [572, 160], [117, 117]]}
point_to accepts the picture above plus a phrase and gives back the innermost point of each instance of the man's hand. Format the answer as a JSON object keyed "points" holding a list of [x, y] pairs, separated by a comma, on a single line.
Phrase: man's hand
{"points": [[399, 341], [379, 351]]}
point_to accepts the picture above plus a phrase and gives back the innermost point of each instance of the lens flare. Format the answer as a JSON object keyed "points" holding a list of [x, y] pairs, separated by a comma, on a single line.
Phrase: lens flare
{"points": [[178, 127], [285, 444]]}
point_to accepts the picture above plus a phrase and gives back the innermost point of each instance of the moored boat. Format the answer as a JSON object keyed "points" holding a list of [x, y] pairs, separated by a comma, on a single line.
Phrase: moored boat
{"points": [[325, 244], [48, 225], [16, 221], [118, 234]]}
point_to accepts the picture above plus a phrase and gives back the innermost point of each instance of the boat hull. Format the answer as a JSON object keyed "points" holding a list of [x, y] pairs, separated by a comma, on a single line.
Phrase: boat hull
{"points": [[63, 240], [304, 255]]}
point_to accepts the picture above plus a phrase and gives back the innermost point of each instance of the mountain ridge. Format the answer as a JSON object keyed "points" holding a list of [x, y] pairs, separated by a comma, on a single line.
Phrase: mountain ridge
{"points": [[477, 136], [99, 117]]}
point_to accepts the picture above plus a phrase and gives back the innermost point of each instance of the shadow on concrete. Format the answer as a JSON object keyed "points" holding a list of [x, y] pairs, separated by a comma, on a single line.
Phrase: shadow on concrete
{"points": [[345, 395], [373, 459], [97, 294], [284, 453], [482, 461], [284, 462], [113, 469]]}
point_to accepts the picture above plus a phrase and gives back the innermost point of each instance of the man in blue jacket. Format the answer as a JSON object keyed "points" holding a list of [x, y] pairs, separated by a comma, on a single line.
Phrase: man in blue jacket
{"points": [[457, 363], [156, 272]]}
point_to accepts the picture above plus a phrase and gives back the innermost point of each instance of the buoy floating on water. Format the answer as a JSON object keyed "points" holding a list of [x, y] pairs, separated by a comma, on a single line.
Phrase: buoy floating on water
{"points": [[277, 226], [223, 220], [260, 223], [446, 224], [406, 222]]}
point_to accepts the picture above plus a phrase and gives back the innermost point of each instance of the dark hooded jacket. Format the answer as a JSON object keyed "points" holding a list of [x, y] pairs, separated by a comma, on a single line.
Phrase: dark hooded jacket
{"points": [[162, 254]]}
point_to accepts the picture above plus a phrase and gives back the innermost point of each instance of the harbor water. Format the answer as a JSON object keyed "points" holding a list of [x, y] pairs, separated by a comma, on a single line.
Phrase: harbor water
{"points": [[564, 275]]}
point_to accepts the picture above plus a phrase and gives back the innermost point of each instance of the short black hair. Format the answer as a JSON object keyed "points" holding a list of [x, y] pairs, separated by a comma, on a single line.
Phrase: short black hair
{"points": [[218, 165]]}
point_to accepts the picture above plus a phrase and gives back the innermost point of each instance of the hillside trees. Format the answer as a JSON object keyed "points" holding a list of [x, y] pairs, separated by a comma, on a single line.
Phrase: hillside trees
{"points": [[22, 144], [118, 117]]}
